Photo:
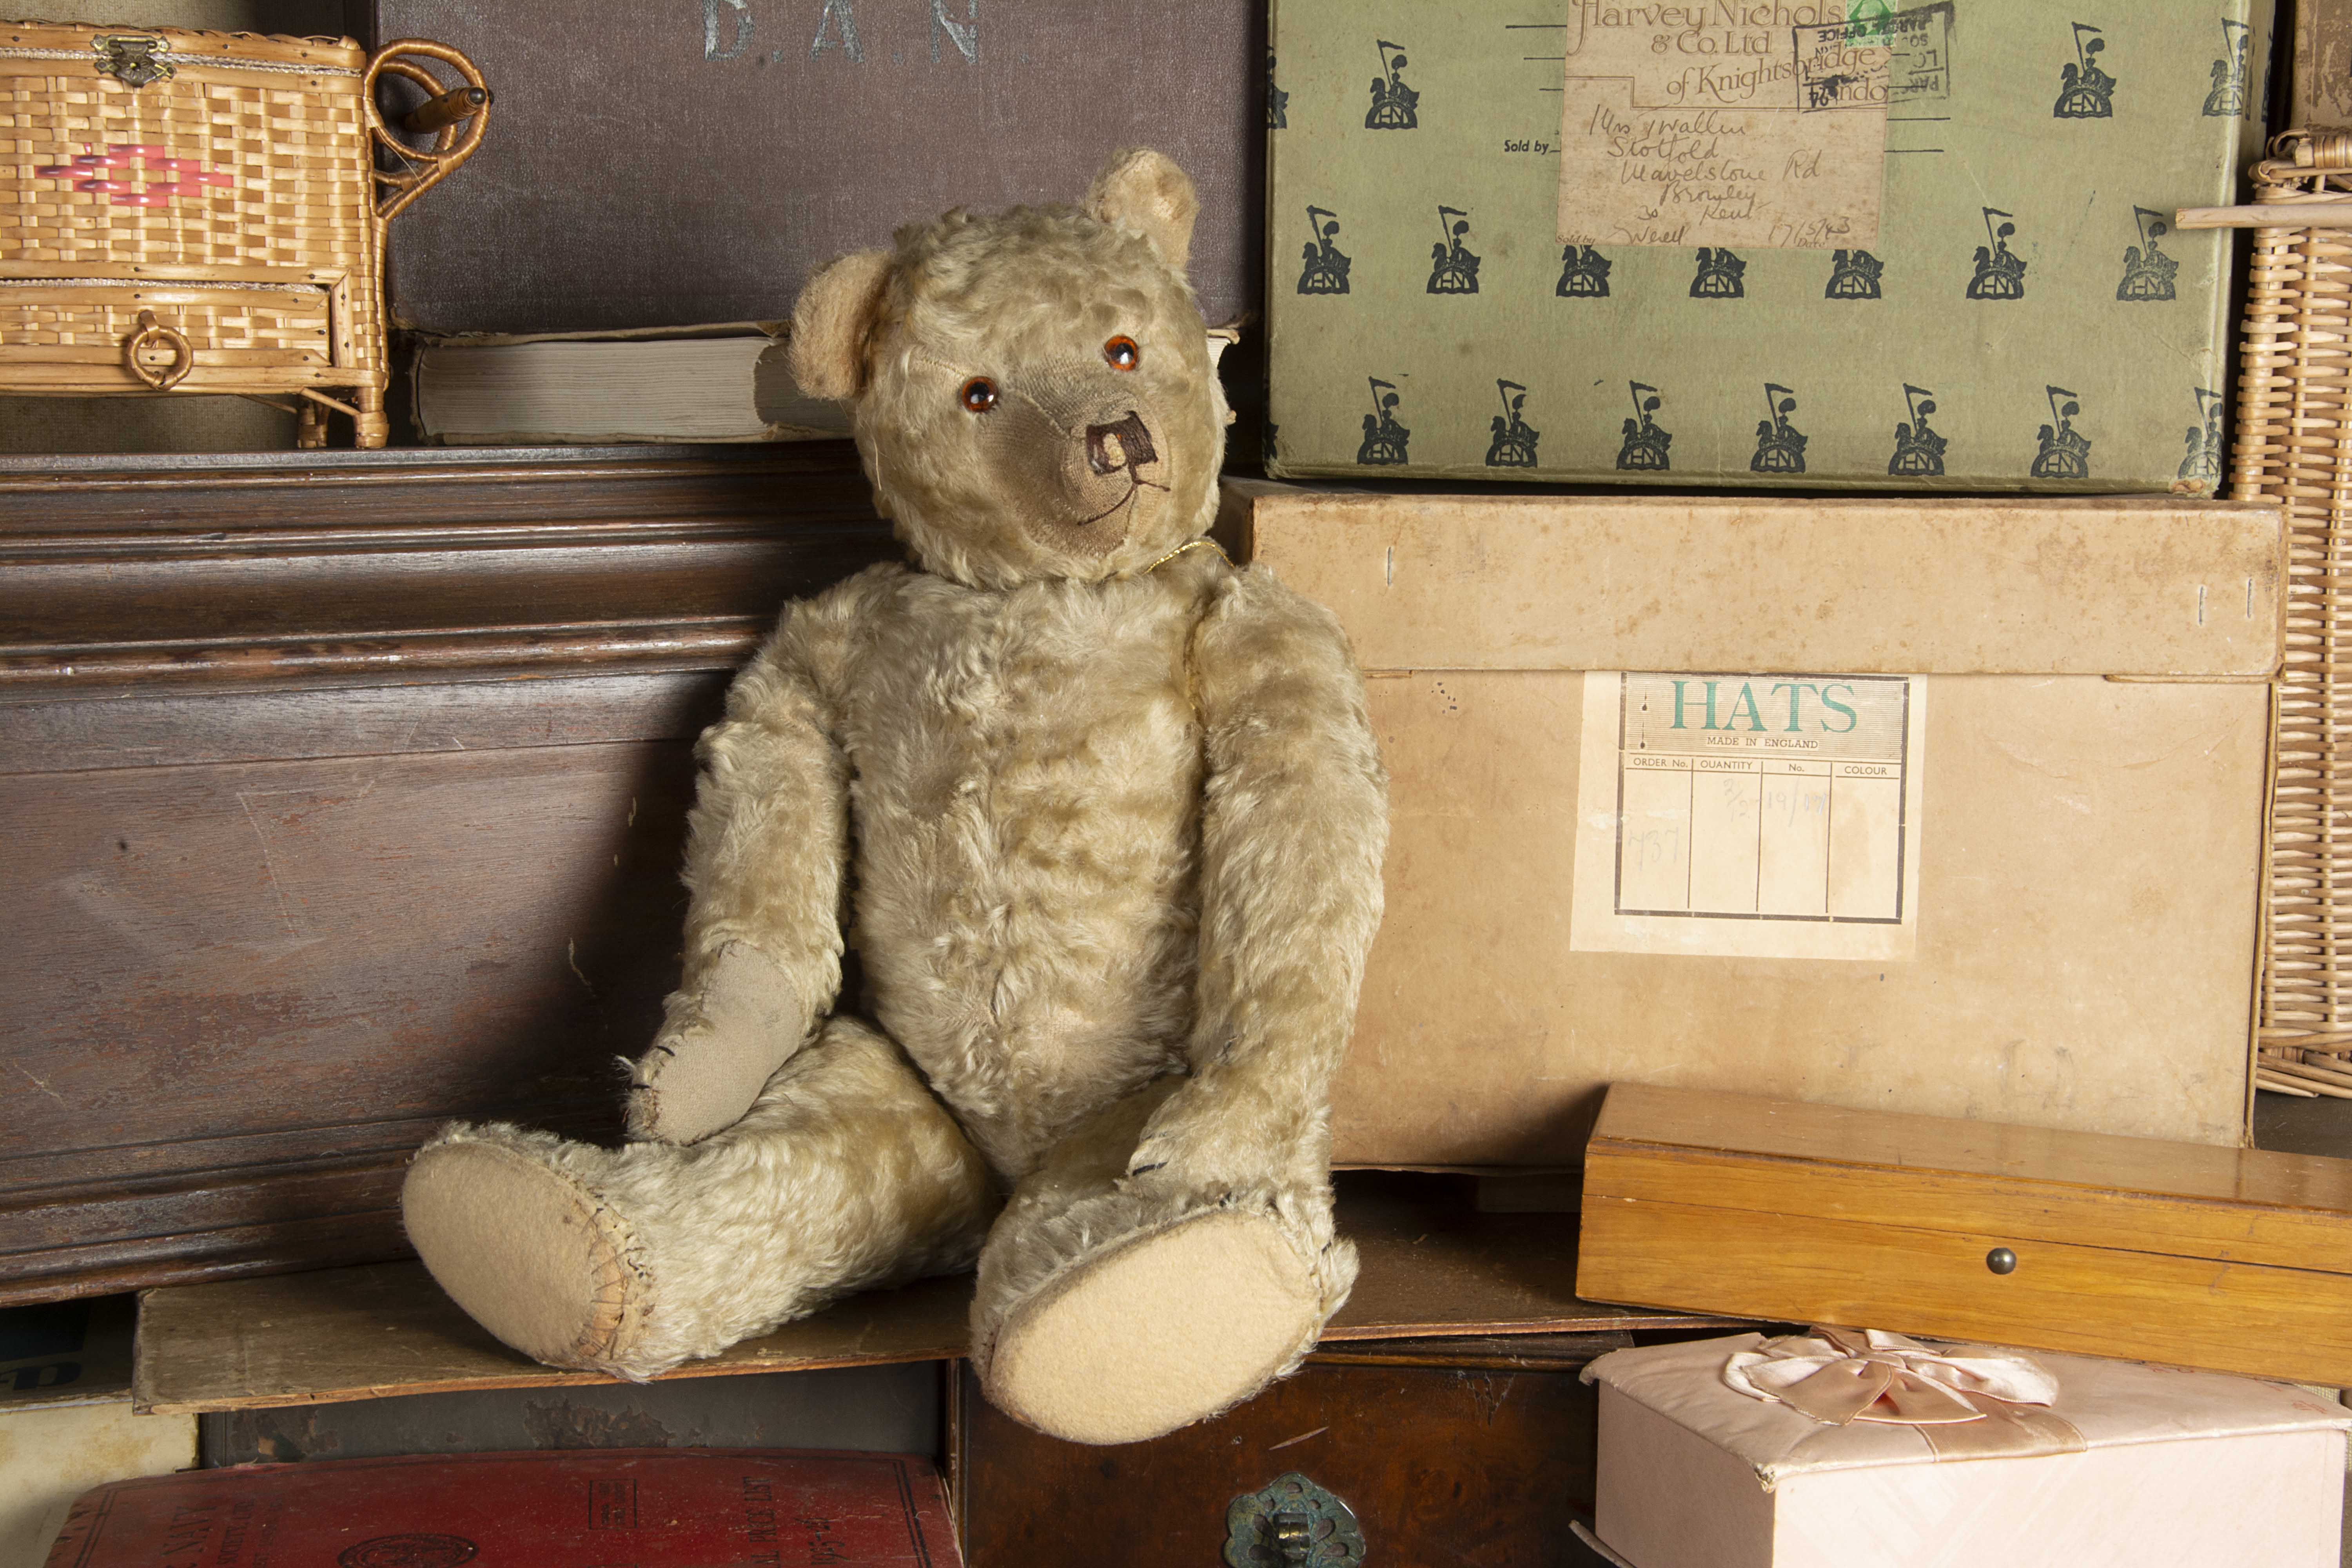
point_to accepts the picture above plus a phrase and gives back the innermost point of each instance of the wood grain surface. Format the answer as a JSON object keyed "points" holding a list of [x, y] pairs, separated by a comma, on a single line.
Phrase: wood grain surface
{"points": [[1440, 1462], [346, 796], [2288, 1323], [2237, 1260], [1647, 1114], [1431, 1269]]}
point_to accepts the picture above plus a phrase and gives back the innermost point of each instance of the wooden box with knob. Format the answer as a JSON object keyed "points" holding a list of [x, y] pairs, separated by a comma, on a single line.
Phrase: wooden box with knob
{"points": [[187, 212], [2229, 1260]]}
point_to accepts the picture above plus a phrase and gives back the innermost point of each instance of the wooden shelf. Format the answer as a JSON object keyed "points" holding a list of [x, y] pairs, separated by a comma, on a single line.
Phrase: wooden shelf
{"points": [[1429, 1270]]}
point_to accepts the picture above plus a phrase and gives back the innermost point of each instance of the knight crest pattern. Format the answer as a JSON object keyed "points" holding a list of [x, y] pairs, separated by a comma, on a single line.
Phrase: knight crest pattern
{"points": [[1918, 448], [1277, 102], [1644, 449], [2202, 461], [1853, 275], [1721, 275], [1395, 106], [1453, 269], [2065, 452], [1583, 273], [1384, 437], [1779, 446], [2085, 92], [1513, 444], [2227, 99], [2149, 273], [2000, 272], [1326, 269]]}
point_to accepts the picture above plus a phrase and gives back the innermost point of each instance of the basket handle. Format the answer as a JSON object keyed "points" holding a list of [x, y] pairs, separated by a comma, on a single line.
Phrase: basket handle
{"points": [[457, 115]]}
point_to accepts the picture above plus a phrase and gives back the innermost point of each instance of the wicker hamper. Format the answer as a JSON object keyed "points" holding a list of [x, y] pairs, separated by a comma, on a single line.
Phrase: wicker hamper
{"points": [[2294, 446], [205, 212]]}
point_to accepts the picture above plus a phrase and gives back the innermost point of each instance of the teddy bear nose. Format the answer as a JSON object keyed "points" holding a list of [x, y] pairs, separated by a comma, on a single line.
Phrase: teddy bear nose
{"points": [[1133, 441]]}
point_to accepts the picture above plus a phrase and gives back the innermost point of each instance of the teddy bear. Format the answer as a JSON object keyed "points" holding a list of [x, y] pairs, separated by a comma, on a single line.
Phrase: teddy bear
{"points": [[1101, 816]]}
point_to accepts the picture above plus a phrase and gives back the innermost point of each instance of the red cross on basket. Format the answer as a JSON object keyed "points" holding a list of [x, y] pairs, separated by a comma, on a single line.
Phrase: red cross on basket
{"points": [[108, 173]]}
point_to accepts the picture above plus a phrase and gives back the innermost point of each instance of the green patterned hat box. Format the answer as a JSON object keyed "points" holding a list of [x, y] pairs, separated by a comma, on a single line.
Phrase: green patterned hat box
{"points": [[1756, 242]]}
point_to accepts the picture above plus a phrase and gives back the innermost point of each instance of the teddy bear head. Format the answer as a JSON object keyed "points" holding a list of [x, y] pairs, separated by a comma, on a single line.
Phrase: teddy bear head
{"points": [[1032, 393]]}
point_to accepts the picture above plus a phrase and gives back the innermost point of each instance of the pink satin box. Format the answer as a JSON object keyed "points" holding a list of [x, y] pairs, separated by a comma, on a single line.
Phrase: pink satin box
{"points": [[2174, 1468]]}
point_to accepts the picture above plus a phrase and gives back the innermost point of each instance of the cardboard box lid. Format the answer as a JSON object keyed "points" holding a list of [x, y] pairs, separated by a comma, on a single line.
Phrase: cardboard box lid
{"points": [[2113, 1404], [2140, 586], [2146, 1195]]}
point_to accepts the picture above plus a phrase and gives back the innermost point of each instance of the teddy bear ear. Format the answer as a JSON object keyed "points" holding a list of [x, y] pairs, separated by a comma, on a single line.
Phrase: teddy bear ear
{"points": [[1145, 191], [831, 320]]}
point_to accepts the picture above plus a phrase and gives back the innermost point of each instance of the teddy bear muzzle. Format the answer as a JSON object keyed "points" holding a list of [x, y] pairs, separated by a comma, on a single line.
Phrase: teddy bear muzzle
{"points": [[1094, 465]]}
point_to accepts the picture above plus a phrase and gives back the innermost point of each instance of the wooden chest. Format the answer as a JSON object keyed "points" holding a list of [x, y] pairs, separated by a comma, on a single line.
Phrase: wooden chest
{"points": [[345, 794], [2232, 1259], [1469, 1450]]}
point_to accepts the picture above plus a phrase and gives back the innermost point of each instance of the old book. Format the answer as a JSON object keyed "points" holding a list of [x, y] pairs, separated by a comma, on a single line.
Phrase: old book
{"points": [[722, 383], [649, 1507], [671, 164]]}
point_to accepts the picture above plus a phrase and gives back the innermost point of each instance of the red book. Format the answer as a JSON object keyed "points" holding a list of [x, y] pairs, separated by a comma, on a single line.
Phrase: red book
{"points": [[617, 1508]]}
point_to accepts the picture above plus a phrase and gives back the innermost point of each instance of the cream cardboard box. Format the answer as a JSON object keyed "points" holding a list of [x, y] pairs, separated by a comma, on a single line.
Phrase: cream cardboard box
{"points": [[1952, 808], [2174, 1467], [66, 1422], [1757, 242]]}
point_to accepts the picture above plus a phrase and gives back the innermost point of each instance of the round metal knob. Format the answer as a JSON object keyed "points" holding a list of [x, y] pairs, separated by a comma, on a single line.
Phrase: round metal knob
{"points": [[2001, 1260]]}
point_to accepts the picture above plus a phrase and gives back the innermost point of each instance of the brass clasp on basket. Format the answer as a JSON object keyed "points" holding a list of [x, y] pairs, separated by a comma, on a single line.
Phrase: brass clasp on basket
{"points": [[150, 334], [130, 58]]}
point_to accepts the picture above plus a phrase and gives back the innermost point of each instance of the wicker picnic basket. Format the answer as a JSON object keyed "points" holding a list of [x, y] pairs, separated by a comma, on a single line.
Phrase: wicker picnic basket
{"points": [[2295, 447], [205, 212]]}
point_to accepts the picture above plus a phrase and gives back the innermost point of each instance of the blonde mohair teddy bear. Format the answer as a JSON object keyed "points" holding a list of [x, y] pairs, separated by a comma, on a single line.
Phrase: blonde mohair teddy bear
{"points": [[1105, 817]]}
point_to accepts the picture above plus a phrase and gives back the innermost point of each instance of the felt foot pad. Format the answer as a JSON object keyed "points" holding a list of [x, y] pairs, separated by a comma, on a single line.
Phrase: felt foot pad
{"points": [[1158, 1332], [527, 1252]]}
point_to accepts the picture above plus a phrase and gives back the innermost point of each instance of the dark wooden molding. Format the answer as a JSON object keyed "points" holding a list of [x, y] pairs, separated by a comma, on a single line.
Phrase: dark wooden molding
{"points": [[344, 795]]}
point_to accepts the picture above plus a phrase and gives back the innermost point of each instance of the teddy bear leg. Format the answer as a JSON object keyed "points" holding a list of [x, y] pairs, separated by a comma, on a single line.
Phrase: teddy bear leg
{"points": [[1111, 1309], [845, 1174]]}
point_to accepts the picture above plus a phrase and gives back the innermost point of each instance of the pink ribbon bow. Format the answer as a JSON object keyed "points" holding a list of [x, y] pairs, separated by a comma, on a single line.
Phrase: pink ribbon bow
{"points": [[1966, 1402]]}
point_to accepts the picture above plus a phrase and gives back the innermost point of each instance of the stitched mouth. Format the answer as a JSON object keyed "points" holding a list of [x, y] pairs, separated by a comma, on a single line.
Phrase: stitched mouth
{"points": [[1133, 485]]}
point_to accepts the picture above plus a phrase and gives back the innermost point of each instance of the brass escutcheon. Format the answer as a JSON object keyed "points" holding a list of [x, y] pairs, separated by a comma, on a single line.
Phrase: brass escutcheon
{"points": [[1291, 1522]]}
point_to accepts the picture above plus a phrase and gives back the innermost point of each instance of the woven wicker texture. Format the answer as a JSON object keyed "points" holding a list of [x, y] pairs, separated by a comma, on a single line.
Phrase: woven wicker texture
{"points": [[214, 191], [2294, 446]]}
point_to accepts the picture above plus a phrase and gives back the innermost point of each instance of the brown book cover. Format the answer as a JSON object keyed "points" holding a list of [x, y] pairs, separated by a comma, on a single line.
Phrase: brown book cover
{"points": [[662, 166]]}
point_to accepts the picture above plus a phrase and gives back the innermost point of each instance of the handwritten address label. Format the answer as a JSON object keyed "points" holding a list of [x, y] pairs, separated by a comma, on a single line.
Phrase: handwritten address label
{"points": [[1755, 123]]}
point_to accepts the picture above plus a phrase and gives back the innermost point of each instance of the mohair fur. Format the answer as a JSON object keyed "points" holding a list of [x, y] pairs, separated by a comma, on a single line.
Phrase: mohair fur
{"points": [[1115, 815]]}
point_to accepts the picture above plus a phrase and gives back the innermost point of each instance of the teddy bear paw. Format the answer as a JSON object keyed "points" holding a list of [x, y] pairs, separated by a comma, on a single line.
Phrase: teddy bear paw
{"points": [[1157, 1331], [529, 1253]]}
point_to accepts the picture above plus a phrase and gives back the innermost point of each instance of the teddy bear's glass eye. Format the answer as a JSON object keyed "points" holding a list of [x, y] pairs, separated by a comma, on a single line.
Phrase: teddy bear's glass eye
{"points": [[979, 395], [1122, 353]]}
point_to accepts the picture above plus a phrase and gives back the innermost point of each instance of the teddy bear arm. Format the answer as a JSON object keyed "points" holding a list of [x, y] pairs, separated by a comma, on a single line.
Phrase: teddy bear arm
{"points": [[1294, 825], [767, 842]]}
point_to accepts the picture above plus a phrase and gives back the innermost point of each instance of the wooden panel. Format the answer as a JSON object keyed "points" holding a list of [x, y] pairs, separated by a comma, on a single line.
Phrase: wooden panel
{"points": [[370, 1332], [1700, 1119], [1440, 1464], [2225, 1317], [346, 796], [1428, 1269], [1937, 1200]]}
